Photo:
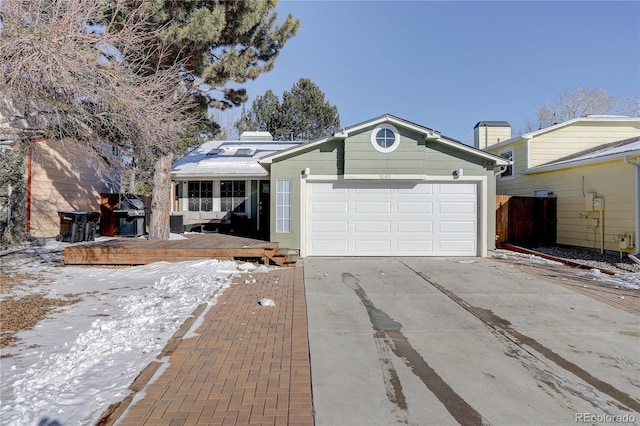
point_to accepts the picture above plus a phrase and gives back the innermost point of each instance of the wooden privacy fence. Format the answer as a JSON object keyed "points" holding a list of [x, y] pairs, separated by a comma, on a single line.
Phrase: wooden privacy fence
{"points": [[526, 221]]}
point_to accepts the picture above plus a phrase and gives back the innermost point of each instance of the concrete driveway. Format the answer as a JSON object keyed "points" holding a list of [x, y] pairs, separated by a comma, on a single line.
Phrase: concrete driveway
{"points": [[445, 341]]}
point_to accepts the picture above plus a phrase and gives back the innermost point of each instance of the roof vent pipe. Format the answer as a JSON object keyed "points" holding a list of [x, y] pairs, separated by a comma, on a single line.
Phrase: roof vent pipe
{"points": [[633, 256]]}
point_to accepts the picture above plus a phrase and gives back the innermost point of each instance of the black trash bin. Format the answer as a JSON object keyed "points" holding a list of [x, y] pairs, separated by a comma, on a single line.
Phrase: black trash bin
{"points": [[176, 224], [72, 226], [91, 226]]}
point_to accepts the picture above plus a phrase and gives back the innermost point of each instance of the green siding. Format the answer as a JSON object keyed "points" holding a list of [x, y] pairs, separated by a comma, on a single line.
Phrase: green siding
{"points": [[362, 158], [327, 159]]}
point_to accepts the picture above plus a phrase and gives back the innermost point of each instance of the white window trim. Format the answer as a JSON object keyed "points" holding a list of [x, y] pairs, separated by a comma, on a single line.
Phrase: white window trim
{"points": [[283, 224], [393, 146], [512, 175]]}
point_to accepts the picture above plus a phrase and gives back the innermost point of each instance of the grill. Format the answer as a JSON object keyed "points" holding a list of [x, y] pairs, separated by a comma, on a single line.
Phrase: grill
{"points": [[131, 214]]}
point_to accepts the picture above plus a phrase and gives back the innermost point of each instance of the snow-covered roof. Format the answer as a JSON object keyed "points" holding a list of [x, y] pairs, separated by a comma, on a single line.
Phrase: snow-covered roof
{"points": [[610, 151], [227, 159]]}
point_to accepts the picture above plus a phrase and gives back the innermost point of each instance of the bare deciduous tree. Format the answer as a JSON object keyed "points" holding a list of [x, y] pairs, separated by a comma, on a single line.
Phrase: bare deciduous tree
{"points": [[581, 102], [67, 76]]}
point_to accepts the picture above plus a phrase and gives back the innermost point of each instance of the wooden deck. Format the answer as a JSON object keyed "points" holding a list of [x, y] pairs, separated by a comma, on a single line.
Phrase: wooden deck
{"points": [[135, 251]]}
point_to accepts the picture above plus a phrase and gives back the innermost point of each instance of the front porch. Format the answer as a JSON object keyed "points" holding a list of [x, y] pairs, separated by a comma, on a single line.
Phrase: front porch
{"points": [[238, 206]]}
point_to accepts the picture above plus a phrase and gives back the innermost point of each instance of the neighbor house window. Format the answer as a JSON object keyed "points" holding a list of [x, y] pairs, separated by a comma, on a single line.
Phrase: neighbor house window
{"points": [[233, 195], [385, 138], [283, 205], [200, 196], [507, 155]]}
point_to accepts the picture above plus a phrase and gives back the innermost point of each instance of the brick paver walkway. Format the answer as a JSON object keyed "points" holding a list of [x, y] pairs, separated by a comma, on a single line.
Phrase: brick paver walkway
{"points": [[249, 364]]}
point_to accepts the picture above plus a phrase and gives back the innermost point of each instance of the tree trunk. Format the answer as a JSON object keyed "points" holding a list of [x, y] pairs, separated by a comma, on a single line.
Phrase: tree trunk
{"points": [[161, 198]]}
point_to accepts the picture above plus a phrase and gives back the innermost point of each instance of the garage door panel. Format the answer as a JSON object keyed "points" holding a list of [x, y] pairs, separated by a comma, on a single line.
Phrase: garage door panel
{"points": [[340, 226], [331, 207], [412, 189], [371, 190], [368, 227], [327, 188], [459, 227], [392, 219], [414, 227], [372, 247], [456, 248], [366, 207], [411, 207], [330, 247], [453, 189], [420, 248], [447, 207]]}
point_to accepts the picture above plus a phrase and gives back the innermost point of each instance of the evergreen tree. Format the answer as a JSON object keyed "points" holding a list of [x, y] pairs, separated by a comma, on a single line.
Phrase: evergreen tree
{"points": [[303, 114], [264, 115], [306, 112]]}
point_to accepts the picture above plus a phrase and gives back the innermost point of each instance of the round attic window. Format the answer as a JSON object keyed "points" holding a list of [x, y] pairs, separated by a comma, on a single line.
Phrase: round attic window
{"points": [[385, 138]]}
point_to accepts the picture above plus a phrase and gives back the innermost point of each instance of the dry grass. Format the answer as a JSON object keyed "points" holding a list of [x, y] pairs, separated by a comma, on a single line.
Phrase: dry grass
{"points": [[23, 313]]}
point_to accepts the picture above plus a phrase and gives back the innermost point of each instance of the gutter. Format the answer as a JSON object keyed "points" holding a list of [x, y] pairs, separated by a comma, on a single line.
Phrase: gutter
{"points": [[633, 256]]}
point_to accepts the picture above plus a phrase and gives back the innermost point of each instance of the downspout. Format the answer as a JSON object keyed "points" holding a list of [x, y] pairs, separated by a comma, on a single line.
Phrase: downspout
{"points": [[633, 256]]}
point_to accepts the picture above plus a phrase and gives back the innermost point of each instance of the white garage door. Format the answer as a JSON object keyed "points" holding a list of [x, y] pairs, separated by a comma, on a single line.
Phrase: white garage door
{"points": [[392, 219]]}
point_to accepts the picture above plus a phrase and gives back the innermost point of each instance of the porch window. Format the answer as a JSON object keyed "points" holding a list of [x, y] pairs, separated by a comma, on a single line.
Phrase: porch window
{"points": [[200, 196], [233, 195], [283, 205]]}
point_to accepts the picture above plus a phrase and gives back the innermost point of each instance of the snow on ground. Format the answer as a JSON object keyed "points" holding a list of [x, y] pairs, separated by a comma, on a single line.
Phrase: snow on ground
{"points": [[629, 280], [82, 358], [619, 280]]}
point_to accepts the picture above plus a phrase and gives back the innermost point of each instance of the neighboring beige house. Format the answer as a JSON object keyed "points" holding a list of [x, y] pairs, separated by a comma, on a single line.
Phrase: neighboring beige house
{"points": [[60, 180], [590, 164], [59, 175]]}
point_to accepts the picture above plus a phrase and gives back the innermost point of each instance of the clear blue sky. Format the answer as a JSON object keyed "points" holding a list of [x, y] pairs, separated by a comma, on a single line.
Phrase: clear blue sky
{"points": [[448, 65]]}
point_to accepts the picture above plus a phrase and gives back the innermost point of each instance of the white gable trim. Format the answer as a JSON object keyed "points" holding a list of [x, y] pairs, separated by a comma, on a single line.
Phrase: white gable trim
{"points": [[269, 158], [429, 134]]}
